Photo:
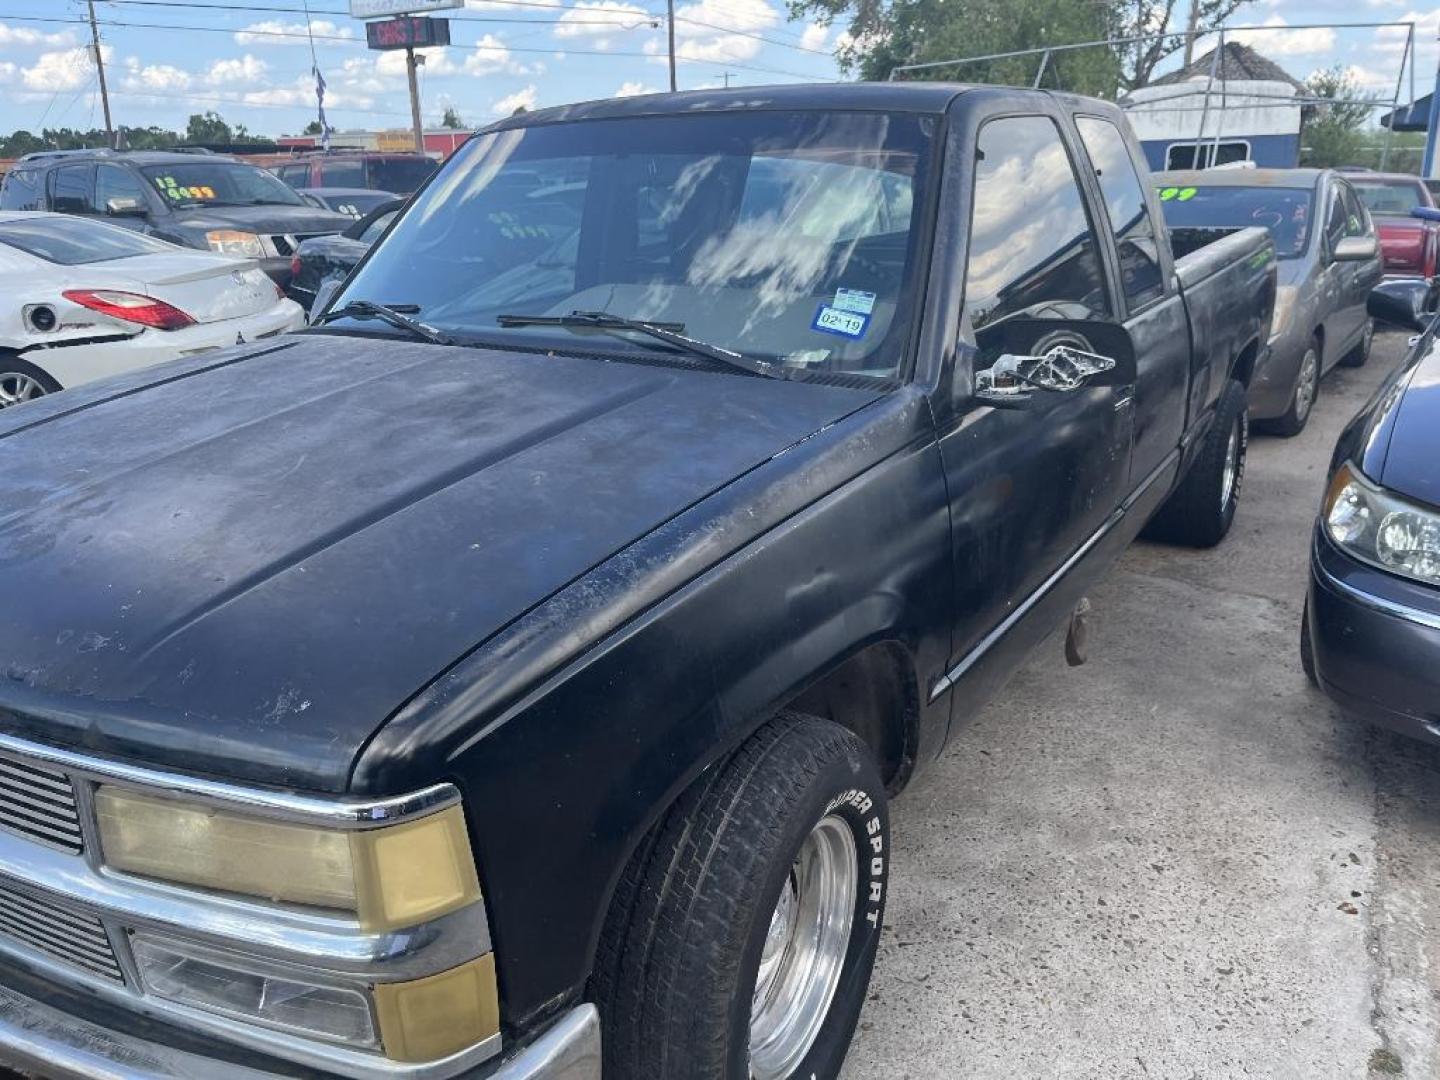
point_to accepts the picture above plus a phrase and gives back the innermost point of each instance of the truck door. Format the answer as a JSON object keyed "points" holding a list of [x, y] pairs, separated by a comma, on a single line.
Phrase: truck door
{"points": [[1154, 312], [1033, 485]]}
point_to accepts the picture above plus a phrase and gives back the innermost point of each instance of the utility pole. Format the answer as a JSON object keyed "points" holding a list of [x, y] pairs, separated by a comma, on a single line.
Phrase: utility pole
{"points": [[670, 23], [726, 76], [1192, 25], [412, 62], [100, 68]]}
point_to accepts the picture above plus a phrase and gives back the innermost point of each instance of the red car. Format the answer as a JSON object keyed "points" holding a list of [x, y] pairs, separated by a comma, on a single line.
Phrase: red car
{"points": [[1409, 245]]}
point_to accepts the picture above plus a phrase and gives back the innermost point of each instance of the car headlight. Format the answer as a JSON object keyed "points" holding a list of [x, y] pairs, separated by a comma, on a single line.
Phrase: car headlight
{"points": [[388, 877], [232, 242], [1379, 528], [1285, 297]]}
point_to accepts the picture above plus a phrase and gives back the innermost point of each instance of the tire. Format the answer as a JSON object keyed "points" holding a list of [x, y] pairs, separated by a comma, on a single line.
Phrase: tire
{"points": [[1199, 512], [21, 381], [1303, 396], [1307, 650], [1358, 356], [681, 952]]}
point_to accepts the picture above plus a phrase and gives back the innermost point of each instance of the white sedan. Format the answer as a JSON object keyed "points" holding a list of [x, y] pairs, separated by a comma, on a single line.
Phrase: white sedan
{"points": [[82, 299]]}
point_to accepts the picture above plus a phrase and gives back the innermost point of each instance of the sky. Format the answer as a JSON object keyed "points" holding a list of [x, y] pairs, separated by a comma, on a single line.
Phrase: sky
{"points": [[250, 60]]}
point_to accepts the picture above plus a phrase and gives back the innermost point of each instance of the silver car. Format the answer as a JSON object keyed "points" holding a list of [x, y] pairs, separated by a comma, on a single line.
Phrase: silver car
{"points": [[1329, 260]]}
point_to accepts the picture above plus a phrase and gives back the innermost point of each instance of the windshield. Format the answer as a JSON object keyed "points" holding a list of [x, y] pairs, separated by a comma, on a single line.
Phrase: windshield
{"points": [[1393, 197], [76, 241], [219, 183], [399, 175], [1284, 211], [785, 236]]}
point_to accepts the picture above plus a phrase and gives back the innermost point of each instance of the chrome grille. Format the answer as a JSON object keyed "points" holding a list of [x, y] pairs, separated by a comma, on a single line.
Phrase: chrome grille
{"points": [[39, 803], [77, 940]]}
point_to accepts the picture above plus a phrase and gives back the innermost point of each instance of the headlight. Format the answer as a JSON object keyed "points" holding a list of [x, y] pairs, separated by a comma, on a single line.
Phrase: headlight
{"points": [[232, 242], [1285, 297], [1379, 528], [388, 877]]}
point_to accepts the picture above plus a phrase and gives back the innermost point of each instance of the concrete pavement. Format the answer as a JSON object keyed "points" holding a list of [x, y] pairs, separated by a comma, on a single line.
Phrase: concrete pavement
{"points": [[1179, 860]]}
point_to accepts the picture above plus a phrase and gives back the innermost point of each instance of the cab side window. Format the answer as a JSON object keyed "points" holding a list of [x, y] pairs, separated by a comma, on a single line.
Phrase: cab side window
{"points": [[113, 182], [1032, 247], [1357, 221], [1335, 220], [1125, 203], [72, 189]]}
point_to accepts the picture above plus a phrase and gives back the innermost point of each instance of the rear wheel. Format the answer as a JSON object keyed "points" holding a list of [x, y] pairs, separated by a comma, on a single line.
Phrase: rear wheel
{"points": [[1199, 512], [1302, 398], [1357, 356], [743, 933], [21, 382]]}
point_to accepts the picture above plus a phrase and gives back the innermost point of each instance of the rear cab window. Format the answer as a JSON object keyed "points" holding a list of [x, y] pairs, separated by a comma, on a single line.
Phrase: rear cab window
{"points": [[1125, 205], [402, 175]]}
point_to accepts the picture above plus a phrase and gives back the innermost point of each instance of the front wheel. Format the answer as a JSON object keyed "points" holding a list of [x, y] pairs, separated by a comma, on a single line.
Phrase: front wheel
{"points": [[1200, 511], [743, 934]]}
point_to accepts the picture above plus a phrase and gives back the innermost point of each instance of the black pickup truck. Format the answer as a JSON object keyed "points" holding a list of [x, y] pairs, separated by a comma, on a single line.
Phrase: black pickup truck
{"points": [[507, 675]]}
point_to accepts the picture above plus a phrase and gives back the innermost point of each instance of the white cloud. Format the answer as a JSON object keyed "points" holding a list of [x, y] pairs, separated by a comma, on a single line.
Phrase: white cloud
{"points": [[1308, 41], [275, 32], [510, 102], [438, 62], [243, 69], [8, 72], [301, 92], [601, 20], [705, 30], [634, 89], [814, 36], [69, 69], [156, 77], [24, 35]]}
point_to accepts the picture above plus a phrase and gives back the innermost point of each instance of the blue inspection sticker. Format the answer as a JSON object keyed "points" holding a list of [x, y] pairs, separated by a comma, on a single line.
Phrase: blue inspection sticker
{"points": [[846, 324]]}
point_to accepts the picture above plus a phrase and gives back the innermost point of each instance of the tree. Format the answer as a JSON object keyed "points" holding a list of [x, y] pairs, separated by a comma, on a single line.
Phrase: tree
{"points": [[313, 128], [208, 127], [1163, 35], [884, 34], [451, 119], [1332, 134]]}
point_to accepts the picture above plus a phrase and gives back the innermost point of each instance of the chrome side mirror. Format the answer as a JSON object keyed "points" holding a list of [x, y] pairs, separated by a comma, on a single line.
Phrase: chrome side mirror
{"points": [[1356, 249], [1064, 369], [124, 206]]}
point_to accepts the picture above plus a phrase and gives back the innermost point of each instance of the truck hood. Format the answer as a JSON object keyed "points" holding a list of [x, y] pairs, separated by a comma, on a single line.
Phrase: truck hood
{"points": [[291, 220], [242, 566]]}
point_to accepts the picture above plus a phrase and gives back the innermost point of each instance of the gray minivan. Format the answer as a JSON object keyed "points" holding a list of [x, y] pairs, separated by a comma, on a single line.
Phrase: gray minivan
{"points": [[1329, 261]]}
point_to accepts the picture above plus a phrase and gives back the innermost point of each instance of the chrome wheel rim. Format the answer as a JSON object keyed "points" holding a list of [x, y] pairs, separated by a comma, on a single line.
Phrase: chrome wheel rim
{"points": [[1232, 467], [1306, 384], [805, 947], [16, 388]]}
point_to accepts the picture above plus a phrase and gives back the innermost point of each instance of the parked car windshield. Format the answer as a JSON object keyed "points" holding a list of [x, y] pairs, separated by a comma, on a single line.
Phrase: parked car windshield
{"points": [[219, 183], [75, 241], [790, 237], [398, 174], [1389, 196], [1284, 211]]}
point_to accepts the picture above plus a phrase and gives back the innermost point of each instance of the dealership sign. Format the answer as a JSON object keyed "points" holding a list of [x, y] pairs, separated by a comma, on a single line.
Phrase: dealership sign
{"points": [[408, 32], [379, 9]]}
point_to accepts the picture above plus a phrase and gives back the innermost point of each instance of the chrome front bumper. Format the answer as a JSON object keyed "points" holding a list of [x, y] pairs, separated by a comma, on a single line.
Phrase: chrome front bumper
{"points": [[43, 1042]]}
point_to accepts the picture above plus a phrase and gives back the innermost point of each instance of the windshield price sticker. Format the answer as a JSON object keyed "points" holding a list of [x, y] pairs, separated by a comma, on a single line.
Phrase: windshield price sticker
{"points": [[847, 324], [856, 300]]}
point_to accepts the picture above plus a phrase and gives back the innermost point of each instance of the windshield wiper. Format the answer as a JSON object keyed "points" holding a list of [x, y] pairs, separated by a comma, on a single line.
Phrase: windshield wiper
{"points": [[670, 333], [397, 315]]}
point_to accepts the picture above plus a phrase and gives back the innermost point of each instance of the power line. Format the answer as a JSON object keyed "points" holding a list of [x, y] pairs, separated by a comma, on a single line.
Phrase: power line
{"points": [[352, 41]]}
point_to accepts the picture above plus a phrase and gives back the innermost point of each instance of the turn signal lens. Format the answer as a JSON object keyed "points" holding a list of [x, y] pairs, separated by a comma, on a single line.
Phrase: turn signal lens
{"points": [[131, 307], [439, 1016], [389, 877]]}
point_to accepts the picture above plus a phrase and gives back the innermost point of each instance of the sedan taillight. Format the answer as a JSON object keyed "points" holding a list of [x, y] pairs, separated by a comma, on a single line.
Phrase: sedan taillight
{"points": [[131, 307]]}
